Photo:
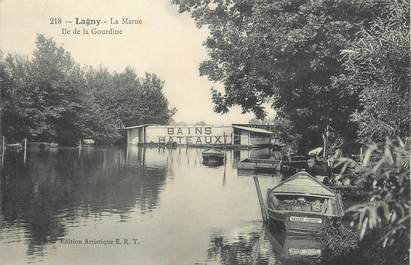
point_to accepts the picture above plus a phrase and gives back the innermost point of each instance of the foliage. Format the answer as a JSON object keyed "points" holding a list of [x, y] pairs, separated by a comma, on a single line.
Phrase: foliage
{"points": [[378, 64], [39, 93], [319, 63], [338, 240], [386, 172], [123, 99], [286, 53], [373, 252], [52, 98]]}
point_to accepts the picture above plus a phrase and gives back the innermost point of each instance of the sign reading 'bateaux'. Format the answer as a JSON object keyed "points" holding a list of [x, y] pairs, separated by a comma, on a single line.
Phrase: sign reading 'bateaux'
{"points": [[190, 135]]}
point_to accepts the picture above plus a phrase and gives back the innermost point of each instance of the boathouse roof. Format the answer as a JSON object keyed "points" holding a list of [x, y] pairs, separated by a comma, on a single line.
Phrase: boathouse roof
{"points": [[251, 129], [139, 126]]}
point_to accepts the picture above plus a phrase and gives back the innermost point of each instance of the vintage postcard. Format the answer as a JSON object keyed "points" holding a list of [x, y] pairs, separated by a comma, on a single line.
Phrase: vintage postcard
{"points": [[215, 132]]}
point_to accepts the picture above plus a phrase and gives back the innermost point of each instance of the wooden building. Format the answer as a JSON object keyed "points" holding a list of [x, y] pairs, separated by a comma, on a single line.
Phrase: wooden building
{"points": [[241, 135]]}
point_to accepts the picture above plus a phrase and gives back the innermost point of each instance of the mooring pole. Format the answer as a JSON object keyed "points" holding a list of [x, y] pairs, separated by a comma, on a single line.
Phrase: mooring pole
{"points": [[225, 168], [25, 151], [260, 199], [127, 153], [3, 151], [79, 148]]}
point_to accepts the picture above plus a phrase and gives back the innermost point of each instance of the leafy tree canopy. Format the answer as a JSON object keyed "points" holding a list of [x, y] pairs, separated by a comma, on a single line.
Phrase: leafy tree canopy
{"points": [[287, 53], [52, 98], [378, 64]]}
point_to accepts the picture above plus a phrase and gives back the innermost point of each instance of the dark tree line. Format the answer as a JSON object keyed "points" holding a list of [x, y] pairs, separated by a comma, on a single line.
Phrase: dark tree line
{"points": [[321, 64], [50, 97]]}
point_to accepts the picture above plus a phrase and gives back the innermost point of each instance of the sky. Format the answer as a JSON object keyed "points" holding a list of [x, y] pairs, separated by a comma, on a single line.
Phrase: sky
{"points": [[166, 43]]}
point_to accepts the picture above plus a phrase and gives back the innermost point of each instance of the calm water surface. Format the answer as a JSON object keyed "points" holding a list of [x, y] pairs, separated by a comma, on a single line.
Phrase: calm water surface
{"points": [[170, 207]]}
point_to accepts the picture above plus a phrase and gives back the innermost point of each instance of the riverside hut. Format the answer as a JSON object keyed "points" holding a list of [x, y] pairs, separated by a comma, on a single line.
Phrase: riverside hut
{"points": [[241, 135]]}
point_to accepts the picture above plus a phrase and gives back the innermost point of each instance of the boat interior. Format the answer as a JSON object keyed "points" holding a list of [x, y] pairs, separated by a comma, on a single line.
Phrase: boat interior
{"points": [[303, 203]]}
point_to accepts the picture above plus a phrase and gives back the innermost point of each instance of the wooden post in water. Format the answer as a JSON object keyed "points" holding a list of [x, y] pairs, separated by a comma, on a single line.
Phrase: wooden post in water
{"points": [[225, 160], [79, 148], [25, 151], [225, 149], [3, 151], [127, 152], [260, 199], [225, 166], [224, 176]]}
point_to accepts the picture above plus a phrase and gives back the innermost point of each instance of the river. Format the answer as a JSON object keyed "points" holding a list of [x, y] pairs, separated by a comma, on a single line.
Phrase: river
{"points": [[135, 206]]}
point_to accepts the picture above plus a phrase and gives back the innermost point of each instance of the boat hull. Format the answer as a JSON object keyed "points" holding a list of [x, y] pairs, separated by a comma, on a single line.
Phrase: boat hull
{"points": [[300, 249], [213, 161], [259, 164], [298, 223], [213, 157]]}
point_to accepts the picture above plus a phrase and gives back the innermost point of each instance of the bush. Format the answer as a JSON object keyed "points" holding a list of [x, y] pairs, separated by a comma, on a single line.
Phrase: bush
{"points": [[338, 240], [385, 170]]}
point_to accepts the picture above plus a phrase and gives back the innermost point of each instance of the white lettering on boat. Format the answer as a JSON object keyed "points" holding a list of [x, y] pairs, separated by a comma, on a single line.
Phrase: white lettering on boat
{"points": [[304, 252], [305, 219]]}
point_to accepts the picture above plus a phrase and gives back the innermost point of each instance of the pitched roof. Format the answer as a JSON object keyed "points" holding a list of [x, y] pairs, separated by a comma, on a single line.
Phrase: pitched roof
{"points": [[212, 151], [139, 126], [251, 129]]}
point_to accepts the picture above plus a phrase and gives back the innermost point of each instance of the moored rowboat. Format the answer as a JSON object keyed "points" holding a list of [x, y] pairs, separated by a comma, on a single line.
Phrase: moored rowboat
{"points": [[212, 155], [15, 147], [301, 204], [258, 164]]}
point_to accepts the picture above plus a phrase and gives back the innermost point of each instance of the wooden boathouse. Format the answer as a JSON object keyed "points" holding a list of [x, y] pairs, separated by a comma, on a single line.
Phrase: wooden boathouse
{"points": [[241, 135]]}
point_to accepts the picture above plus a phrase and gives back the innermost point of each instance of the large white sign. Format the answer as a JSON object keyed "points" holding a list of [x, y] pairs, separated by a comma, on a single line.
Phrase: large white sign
{"points": [[189, 135]]}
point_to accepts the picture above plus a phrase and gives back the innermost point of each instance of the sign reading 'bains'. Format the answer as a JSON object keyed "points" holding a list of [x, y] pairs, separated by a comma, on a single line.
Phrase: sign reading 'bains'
{"points": [[190, 135]]}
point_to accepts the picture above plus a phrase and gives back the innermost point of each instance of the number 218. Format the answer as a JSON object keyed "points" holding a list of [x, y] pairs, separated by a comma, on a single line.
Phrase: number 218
{"points": [[55, 20]]}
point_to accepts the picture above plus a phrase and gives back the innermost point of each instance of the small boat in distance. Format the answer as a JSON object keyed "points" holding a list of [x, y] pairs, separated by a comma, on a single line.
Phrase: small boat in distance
{"points": [[259, 164], [302, 205], [44, 145], [212, 156], [17, 147], [293, 164], [89, 142], [171, 145]]}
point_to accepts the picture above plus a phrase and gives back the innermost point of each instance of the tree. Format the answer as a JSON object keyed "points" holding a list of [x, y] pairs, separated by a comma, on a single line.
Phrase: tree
{"points": [[378, 64], [265, 120], [58, 80], [123, 99], [41, 96], [52, 98], [286, 53], [157, 108]]}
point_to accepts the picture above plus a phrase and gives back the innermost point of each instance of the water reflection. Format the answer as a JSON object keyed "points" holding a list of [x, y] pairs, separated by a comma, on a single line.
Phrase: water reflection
{"points": [[233, 249], [55, 188], [181, 211], [251, 245]]}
